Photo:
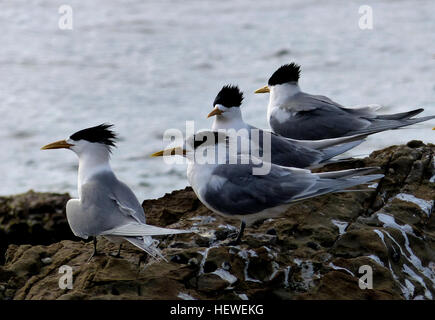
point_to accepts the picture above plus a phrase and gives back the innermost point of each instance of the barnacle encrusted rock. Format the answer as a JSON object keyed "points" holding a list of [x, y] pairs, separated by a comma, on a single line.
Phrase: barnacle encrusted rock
{"points": [[318, 250]]}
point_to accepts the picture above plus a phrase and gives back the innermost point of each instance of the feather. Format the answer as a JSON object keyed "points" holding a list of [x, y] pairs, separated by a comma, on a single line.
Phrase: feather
{"points": [[140, 229]]}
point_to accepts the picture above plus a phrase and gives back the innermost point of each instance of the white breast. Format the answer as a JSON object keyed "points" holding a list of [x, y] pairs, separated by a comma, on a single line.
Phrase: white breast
{"points": [[201, 179], [280, 95], [199, 175], [74, 217]]}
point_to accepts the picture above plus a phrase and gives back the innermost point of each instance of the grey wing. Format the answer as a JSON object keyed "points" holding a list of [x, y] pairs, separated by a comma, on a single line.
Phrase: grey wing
{"points": [[100, 212], [316, 118], [285, 152], [128, 202], [241, 192], [322, 124], [114, 202], [303, 101]]}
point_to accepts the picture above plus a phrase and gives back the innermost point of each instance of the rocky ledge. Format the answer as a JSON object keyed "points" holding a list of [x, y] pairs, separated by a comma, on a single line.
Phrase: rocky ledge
{"points": [[318, 250]]}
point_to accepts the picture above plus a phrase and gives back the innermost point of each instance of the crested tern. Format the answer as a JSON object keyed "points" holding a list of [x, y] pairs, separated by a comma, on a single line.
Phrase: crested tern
{"points": [[231, 189], [282, 151], [106, 206], [295, 114]]}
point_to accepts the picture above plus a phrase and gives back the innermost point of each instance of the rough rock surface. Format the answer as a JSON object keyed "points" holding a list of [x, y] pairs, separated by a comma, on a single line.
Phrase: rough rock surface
{"points": [[314, 251], [33, 218]]}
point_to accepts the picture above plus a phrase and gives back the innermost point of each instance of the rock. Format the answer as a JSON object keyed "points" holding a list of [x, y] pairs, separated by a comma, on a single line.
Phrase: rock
{"points": [[317, 250], [211, 283], [33, 218]]}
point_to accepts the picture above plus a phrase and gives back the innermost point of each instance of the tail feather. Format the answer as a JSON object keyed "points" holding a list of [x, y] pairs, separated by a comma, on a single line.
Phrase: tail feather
{"points": [[139, 234], [345, 183], [346, 173], [325, 186], [147, 244], [333, 151], [418, 120], [141, 229], [400, 116], [383, 125], [335, 161], [327, 143]]}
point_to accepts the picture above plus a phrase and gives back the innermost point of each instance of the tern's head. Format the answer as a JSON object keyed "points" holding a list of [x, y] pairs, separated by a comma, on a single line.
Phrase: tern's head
{"points": [[227, 102], [197, 144], [91, 140], [284, 78]]}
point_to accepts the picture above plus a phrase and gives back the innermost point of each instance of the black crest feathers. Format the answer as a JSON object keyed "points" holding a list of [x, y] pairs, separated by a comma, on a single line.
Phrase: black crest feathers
{"points": [[286, 73], [208, 138], [229, 96], [97, 134]]}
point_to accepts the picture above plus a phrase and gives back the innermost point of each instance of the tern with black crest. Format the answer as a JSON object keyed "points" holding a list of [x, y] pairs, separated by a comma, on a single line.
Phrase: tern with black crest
{"points": [[282, 151], [230, 188], [295, 114], [106, 206]]}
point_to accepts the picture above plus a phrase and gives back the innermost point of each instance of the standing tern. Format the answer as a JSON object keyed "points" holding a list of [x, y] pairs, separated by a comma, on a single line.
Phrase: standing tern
{"points": [[283, 151], [106, 206], [233, 190], [295, 114]]}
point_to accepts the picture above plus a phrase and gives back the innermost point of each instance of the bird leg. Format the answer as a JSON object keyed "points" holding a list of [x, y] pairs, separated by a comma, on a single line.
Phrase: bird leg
{"points": [[238, 240], [118, 254], [94, 253], [142, 258]]}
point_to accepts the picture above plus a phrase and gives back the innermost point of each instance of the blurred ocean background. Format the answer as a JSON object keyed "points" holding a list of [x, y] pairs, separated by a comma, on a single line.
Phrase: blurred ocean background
{"points": [[148, 66]]}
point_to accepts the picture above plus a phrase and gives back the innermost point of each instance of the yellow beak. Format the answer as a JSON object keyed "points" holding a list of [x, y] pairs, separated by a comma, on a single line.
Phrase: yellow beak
{"points": [[214, 112], [264, 89], [169, 152], [62, 144]]}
